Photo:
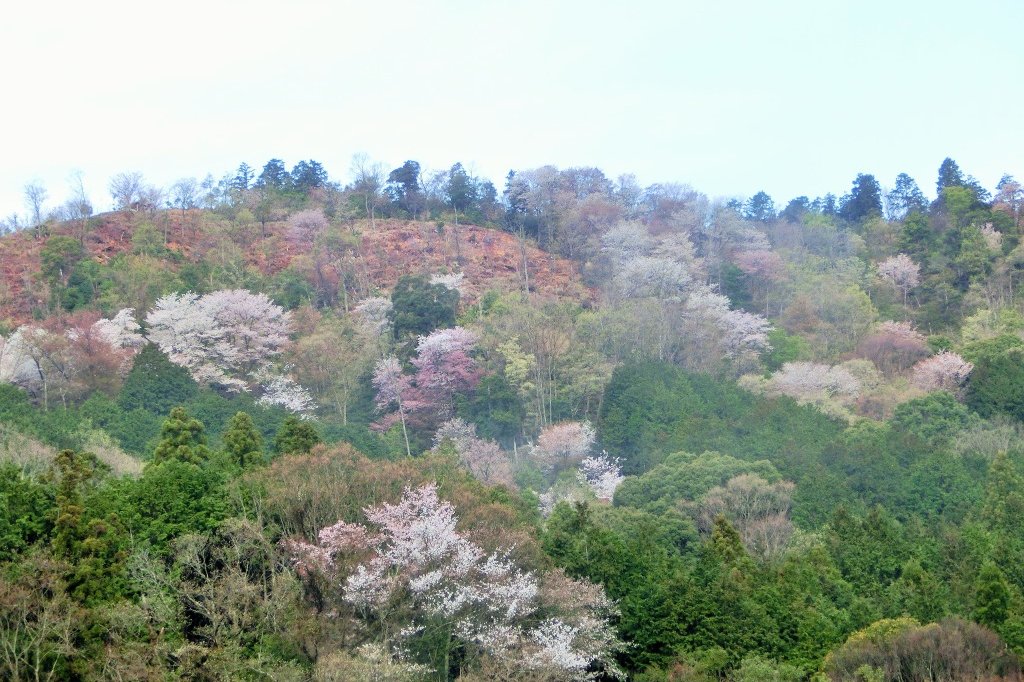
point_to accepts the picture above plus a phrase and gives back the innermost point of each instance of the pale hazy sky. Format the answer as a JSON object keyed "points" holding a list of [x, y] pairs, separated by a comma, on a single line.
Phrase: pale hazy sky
{"points": [[793, 97]]}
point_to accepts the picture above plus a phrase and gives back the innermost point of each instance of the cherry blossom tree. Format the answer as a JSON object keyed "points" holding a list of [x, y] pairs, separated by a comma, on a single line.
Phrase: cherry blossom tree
{"points": [[946, 371], [734, 334], [814, 382], [901, 272], [652, 277], [453, 281], [253, 325], [562, 445], [186, 331], [602, 474], [484, 458], [443, 367], [224, 338], [284, 392], [411, 573], [120, 331], [764, 268], [392, 388], [305, 226], [375, 313], [627, 241]]}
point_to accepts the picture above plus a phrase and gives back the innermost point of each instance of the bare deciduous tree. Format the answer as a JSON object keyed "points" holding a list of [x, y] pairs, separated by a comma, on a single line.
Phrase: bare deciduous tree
{"points": [[35, 197]]}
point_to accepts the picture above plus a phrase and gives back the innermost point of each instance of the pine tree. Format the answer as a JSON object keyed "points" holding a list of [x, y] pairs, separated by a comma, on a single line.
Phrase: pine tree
{"points": [[181, 439], [242, 442]]}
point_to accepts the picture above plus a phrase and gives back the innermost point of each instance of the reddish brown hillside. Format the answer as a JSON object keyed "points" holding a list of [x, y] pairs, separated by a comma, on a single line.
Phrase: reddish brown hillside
{"points": [[379, 254]]}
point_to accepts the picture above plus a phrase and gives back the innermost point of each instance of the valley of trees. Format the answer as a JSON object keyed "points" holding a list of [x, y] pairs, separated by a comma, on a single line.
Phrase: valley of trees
{"points": [[420, 426]]}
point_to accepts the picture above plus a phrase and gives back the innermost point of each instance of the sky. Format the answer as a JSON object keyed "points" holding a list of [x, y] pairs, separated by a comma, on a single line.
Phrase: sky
{"points": [[791, 97]]}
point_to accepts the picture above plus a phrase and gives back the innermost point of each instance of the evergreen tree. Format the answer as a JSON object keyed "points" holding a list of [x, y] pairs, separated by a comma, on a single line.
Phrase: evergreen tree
{"points": [[242, 441], [274, 175], [992, 597], [243, 177], [949, 176], [796, 209], [419, 307], [403, 188], [905, 198], [864, 200], [1004, 497], [759, 207], [181, 439], [309, 175], [155, 383], [295, 436], [461, 190], [75, 470]]}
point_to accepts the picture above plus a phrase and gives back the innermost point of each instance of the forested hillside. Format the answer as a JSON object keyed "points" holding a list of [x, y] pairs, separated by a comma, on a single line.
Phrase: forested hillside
{"points": [[412, 426]]}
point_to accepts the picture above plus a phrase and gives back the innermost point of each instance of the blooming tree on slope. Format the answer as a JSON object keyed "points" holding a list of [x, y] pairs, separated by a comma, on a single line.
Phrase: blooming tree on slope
{"points": [[484, 458], [413, 565], [602, 474], [443, 367], [943, 372], [227, 338], [901, 272], [564, 444]]}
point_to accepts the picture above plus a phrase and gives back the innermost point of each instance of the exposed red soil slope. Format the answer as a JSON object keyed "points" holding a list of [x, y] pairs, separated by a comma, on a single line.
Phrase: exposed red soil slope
{"points": [[380, 253]]}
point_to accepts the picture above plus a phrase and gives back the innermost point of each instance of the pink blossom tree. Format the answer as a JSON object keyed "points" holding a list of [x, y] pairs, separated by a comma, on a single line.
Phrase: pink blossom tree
{"points": [[443, 367], [901, 272], [393, 389], [894, 347], [765, 269], [413, 574], [484, 458], [946, 371], [305, 226], [562, 445]]}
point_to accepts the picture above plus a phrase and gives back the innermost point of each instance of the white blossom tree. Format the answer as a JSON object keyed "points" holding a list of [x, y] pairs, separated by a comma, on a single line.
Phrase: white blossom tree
{"points": [[814, 382], [411, 572], [375, 313], [226, 338], [283, 391], [120, 331], [734, 334], [452, 281], [602, 474]]}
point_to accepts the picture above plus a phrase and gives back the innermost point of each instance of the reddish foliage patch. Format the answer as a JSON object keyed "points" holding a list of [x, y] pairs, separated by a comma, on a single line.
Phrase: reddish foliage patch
{"points": [[490, 259]]}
